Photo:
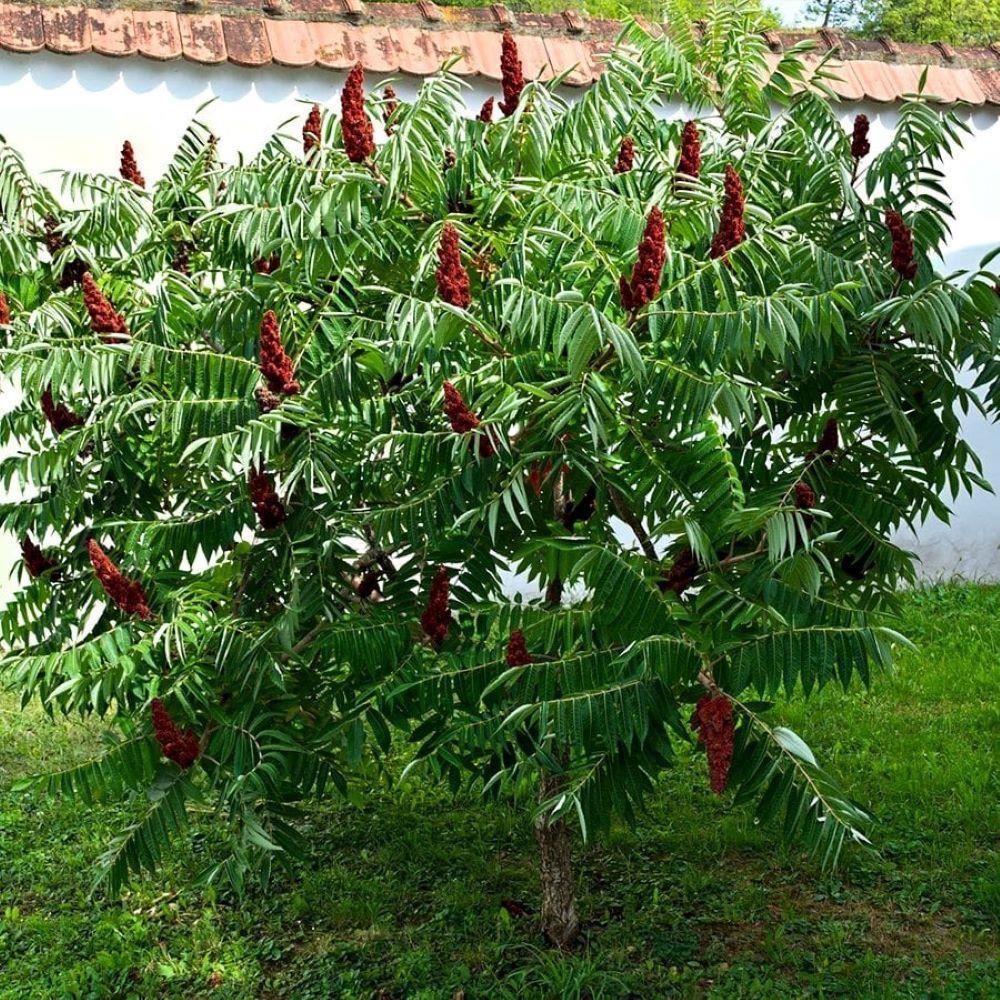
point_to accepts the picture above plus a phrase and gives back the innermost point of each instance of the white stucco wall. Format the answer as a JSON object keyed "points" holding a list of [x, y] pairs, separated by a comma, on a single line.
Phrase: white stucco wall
{"points": [[74, 112]]}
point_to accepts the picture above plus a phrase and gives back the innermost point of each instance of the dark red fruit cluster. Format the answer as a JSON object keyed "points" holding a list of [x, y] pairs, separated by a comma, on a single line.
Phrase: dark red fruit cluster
{"points": [[275, 365], [626, 156], [486, 111], [436, 619], [689, 163], [517, 651], [4, 310], [389, 108], [682, 573], [35, 561], [60, 416], [902, 246], [356, 126], [452, 278], [463, 420], [829, 439], [713, 722], [129, 168], [860, 146], [267, 265], [127, 594], [264, 499], [179, 745], [181, 262], [805, 496], [511, 74], [312, 130], [732, 229], [644, 285], [104, 320]]}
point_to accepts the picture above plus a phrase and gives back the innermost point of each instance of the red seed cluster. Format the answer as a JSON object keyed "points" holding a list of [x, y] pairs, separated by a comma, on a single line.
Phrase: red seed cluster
{"points": [[4, 310], [59, 415], [902, 245], [644, 285], [689, 163], [104, 320], [127, 594], [275, 365], [626, 156], [463, 420], [452, 278], [389, 108], [860, 146], [264, 499], [35, 561], [732, 229], [312, 130], [537, 476], [682, 573], [511, 74], [179, 745], [436, 618], [713, 722], [829, 439], [517, 651], [486, 111], [356, 126], [805, 496], [129, 168], [267, 265]]}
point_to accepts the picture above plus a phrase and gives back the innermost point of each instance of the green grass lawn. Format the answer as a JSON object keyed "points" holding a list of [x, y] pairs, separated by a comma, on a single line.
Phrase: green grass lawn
{"points": [[402, 897]]}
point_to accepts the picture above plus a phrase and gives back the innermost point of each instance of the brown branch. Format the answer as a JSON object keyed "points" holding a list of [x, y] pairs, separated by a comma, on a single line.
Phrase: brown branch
{"points": [[632, 520]]}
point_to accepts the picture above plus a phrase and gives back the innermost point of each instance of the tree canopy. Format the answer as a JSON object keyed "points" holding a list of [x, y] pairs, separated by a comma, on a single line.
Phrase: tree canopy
{"points": [[291, 425]]}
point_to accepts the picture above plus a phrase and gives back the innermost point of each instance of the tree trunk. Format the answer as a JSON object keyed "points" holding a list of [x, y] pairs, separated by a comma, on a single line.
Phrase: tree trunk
{"points": [[555, 859]]}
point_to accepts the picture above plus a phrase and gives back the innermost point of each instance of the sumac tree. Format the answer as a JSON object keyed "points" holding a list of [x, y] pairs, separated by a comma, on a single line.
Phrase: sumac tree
{"points": [[549, 444]]}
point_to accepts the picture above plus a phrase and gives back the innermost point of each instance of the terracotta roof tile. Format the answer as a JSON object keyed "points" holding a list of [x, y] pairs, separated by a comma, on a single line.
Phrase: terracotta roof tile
{"points": [[246, 41], [67, 29], [21, 28], [157, 34], [291, 43], [112, 32], [202, 40], [416, 38]]}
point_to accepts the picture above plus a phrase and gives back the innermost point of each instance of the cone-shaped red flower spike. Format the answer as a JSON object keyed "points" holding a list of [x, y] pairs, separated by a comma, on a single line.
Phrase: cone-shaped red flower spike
{"points": [[689, 163], [264, 499], [35, 561], [682, 572], [644, 285], [389, 108], [511, 74], [860, 146], [713, 722], [275, 365], [4, 310], [486, 111], [829, 439], [732, 229], [805, 496], [104, 320], [517, 651], [463, 420], [626, 156], [179, 745], [902, 245], [312, 130], [355, 125], [452, 278], [127, 594], [436, 618], [267, 265], [60, 416], [129, 168]]}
